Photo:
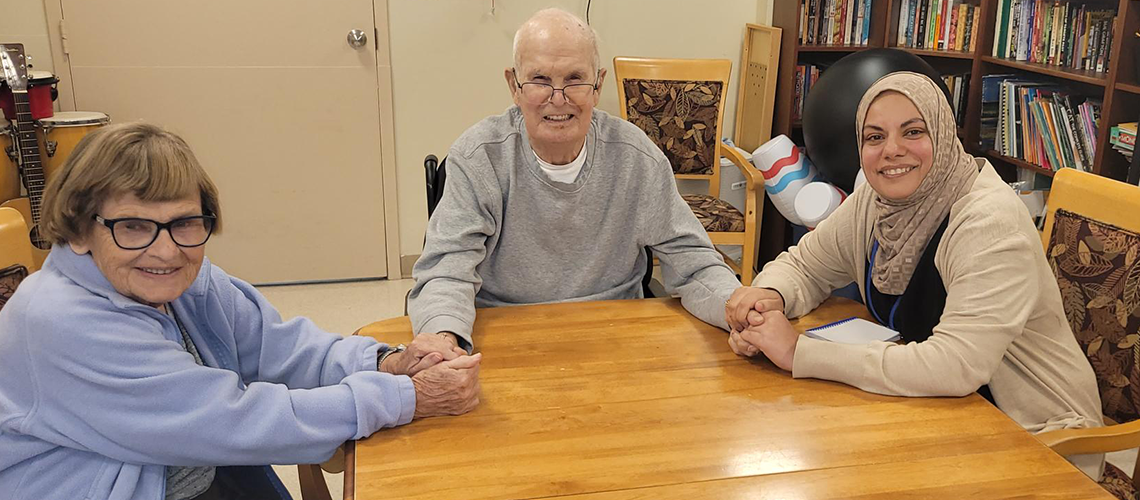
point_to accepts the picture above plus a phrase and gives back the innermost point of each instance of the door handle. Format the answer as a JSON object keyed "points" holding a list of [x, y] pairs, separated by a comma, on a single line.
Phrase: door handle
{"points": [[357, 39]]}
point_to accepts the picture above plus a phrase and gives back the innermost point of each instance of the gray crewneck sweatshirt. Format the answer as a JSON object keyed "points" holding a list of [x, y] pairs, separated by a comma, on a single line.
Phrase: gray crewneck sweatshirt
{"points": [[505, 234]]}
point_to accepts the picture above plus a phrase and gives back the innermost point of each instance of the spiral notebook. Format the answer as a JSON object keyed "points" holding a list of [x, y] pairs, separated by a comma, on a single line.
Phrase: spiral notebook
{"points": [[853, 331]]}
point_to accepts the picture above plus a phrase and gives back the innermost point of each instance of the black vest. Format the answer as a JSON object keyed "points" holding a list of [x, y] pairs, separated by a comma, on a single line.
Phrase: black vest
{"points": [[914, 313]]}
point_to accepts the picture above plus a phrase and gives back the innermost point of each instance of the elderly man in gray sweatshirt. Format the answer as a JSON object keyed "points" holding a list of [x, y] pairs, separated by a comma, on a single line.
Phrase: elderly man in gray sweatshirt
{"points": [[554, 201]]}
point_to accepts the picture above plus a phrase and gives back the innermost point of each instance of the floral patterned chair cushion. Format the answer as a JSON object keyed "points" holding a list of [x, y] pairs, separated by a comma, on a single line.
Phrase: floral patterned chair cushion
{"points": [[716, 215], [680, 117], [10, 278], [1118, 483], [1098, 270]]}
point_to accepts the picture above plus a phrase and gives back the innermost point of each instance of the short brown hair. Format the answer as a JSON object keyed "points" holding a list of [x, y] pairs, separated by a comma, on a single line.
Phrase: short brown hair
{"points": [[131, 158]]}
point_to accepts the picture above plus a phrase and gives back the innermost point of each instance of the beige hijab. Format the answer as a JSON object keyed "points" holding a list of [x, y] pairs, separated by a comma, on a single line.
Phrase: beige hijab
{"points": [[904, 227]]}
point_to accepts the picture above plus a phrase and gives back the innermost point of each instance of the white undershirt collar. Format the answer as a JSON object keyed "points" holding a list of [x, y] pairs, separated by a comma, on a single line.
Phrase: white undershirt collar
{"points": [[563, 173]]}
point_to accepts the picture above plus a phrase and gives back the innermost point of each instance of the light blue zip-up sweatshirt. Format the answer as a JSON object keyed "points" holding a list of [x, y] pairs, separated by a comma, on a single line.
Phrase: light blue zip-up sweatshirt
{"points": [[97, 394]]}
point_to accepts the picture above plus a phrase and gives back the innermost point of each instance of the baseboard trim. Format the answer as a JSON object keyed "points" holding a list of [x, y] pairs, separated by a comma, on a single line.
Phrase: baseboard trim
{"points": [[406, 264]]}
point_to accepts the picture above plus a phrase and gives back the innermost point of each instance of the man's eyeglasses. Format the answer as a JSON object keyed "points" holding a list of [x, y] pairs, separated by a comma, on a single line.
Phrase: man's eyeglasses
{"points": [[133, 233], [539, 93]]}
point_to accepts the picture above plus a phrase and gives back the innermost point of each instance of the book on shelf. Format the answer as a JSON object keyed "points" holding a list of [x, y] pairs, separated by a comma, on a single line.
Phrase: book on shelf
{"points": [[1122, 137], [1039, 122], [920, 22], [942, 24], [835, 22], [958, 84], [991, 106], [806, 76], [1063, 34]]}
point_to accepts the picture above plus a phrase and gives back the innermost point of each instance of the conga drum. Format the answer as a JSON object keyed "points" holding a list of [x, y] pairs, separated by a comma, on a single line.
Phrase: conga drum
{"points": [[60, 134], [9, 175]]}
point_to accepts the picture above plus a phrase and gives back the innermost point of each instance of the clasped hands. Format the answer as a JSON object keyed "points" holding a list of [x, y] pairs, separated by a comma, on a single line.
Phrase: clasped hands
{"points": [[757, 325], [446, 379]]}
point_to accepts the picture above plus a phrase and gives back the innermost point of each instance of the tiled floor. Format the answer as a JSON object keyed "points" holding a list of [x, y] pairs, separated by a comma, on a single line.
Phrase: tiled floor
{"points": [[344, 307]]}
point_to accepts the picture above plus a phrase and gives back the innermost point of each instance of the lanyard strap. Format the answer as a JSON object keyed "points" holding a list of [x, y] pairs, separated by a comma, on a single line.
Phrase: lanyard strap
{"points": [[869, 287]]}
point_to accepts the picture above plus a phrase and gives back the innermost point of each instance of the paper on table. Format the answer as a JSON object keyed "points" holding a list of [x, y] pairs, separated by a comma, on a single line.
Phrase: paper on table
{"points": [[853, 331]]}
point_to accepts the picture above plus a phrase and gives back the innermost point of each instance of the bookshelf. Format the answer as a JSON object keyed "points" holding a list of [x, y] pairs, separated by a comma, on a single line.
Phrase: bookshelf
{"points": [[1117, 87]]}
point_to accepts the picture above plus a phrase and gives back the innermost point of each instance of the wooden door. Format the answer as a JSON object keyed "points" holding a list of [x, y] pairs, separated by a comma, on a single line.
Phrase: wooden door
{"points": [[280, 109]]}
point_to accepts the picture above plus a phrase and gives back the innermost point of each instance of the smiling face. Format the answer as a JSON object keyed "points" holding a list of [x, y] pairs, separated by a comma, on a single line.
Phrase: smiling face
{"points": [[897, 151], [553, 54], [153, 275]]}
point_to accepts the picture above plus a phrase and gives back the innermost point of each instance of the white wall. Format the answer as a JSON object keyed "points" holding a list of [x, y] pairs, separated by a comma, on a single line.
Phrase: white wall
{"points": [[23, 21], [448, 58]]}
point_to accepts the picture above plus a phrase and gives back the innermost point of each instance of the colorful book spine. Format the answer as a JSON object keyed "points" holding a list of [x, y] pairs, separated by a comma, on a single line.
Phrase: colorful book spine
{"points": [[867, 24], [1001, 27]]}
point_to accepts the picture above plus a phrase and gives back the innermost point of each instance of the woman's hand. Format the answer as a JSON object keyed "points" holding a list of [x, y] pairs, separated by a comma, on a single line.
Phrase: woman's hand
{"points": [[741, 347], [747, 298], [771, 333]]}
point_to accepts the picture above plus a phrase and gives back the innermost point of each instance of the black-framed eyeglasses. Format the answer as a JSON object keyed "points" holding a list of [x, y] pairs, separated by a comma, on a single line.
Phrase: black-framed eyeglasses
{"points": [[539, 93], [133, 233]]}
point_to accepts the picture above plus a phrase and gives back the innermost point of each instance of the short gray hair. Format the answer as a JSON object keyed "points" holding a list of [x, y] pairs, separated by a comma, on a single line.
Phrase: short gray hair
{"points": [[556, 14]]}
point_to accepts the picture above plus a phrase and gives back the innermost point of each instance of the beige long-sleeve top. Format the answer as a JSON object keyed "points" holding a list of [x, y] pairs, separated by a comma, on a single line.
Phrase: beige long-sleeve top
{"points": [[1003, 324]]}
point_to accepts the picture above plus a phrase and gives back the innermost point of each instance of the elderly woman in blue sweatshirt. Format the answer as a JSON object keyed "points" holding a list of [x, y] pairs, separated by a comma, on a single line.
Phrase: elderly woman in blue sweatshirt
{"points": [[132, 368]]}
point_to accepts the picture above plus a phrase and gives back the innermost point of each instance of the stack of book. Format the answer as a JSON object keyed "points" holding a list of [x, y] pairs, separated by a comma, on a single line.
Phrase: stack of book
{"points": [[1123, 138], [835, 22], [1064, 34], [939, 24], [1039, 122]]}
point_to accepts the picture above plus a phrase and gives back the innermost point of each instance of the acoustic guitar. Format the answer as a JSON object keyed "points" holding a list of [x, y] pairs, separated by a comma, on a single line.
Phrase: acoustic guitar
{"points": [[13, 66]]}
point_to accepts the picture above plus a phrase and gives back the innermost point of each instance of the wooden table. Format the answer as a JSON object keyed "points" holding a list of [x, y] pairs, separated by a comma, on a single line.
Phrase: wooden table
{"points": [[638, 399]]}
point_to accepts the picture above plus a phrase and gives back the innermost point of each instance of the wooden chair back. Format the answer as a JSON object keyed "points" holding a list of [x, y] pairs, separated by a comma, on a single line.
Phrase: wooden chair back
{"points": [[679, 103], [1092, 242]]}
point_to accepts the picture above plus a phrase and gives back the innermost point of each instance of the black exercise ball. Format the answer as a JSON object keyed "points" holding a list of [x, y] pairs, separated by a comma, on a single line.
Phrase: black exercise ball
{"points": [[829, 113]]}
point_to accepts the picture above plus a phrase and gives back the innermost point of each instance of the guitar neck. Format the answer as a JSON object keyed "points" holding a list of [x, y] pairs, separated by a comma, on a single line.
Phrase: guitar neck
{"points": [[31, 167]]}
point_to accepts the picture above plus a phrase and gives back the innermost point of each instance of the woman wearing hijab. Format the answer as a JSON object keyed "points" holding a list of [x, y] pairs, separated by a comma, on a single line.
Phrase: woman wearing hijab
{"points": [[944, 253]]}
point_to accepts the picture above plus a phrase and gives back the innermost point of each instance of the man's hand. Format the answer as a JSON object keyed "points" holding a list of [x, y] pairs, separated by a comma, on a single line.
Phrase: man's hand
{"points": [[448, 388], [447, 338], [425, 351], [747, 298], [771, 334]]}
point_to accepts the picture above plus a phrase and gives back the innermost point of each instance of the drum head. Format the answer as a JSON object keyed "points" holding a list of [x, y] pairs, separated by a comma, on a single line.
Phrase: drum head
{"points": [[41, 78], [75, 119]]}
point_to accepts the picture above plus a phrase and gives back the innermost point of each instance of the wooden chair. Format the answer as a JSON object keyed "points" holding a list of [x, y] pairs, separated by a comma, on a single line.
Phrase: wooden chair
{"points": [[1092, 241], [312, 481], [679, 103], [15, 252]]}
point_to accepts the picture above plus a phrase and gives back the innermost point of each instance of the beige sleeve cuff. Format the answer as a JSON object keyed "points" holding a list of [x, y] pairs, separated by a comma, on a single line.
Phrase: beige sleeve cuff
{"points": [[826, 360]]}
